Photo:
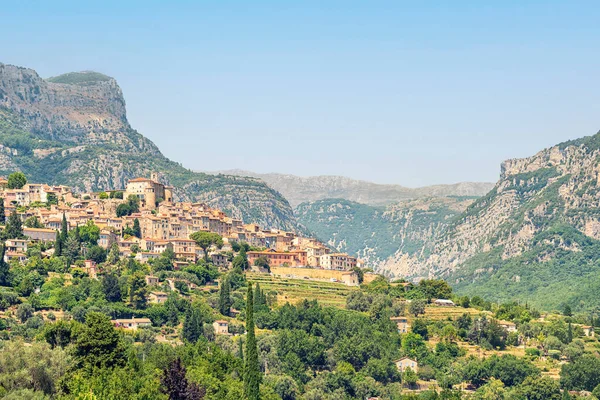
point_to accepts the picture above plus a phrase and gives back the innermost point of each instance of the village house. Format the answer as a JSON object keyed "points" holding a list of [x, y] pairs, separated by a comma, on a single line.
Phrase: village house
{"points": [[508, 326], [157, 297], [106, 238], [444, 303], [40, 234], [588, 330], [405, 362], [152, 280], [402, 324], [275, 258], [350, 279], [221, 327], [16, 245], [337, 261], [131, 323]]}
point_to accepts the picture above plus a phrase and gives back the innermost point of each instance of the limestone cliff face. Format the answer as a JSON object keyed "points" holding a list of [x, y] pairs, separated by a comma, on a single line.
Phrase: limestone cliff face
{"points": [[73, 129], [543, 210]]}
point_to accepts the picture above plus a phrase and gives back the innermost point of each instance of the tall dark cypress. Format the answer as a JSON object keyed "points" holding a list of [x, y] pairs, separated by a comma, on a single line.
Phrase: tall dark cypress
{"points": [[224, 297], [58, 245], [2, 212], [64, 229], [252, 376]]}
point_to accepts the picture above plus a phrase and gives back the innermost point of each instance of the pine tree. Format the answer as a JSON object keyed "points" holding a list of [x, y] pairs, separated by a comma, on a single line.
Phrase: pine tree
{"points": [[137, 230], [252, 376], [2, 212], [224, 297]]}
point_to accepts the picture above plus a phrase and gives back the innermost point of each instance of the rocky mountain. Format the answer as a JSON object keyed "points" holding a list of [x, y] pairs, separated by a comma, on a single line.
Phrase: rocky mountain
{"points": [[73, 130], [299, 190], [376, 233], [534, 237]]}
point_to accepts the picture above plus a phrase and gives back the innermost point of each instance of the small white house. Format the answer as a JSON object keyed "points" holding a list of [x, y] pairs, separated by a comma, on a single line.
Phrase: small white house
{"points": [[405, 362], [444, 303]]}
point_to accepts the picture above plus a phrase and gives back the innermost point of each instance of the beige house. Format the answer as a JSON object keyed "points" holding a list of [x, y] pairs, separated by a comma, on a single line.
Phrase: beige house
{"points": [[151, 280], [132, 323], [16, 245], [157, 297], [337, 261], [350, 279], [588, 330], [404, 363], [221, 327], [40, 234], [402, 324], [508, 326]]}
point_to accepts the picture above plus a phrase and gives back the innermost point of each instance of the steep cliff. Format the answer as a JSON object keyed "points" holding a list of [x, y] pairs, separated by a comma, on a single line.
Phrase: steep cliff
{"points": [[73, 129], [299, 189], [534, 237]]}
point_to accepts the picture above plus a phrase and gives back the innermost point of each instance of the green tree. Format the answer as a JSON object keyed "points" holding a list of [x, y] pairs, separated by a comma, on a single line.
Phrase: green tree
{"points": [[16, 180], [224, 297], [263, 262], [192, 325], [205, 240], [89, 233], [98, 344], [111, 288], [417, 307], [137, 230], [137, 290], [252, 376], [539, 388], [33, 222], [241, 260], [14, 228], [113, 255], [96, 254], [583, 374]]}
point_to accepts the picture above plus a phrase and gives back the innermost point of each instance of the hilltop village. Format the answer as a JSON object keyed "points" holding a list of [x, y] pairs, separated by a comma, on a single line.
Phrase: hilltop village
{"points": [[144, 221]]}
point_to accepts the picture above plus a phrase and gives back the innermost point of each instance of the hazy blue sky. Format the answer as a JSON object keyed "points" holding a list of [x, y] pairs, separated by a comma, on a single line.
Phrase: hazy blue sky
{"points": [[413, 93]]}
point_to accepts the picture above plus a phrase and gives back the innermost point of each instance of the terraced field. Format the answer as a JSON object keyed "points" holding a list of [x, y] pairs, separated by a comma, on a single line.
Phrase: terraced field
{"points": [[295, 290]]}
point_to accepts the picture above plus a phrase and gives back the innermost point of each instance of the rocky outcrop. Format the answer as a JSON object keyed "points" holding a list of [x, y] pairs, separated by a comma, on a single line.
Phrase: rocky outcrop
{"points": [[73, 129], [542, 215]]}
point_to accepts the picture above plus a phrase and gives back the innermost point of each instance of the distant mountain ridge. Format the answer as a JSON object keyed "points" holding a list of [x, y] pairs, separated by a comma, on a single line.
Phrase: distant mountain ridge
{"points": [[297, 189], [72, 129]]}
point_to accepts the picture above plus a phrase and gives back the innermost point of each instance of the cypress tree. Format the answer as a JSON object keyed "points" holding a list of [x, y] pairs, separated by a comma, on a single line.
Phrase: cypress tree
{"points": [[569, 333], [224, 297], [137, 230], [76, 234], [241, 349], [64, 229], [58, 245], [252, 375], [4, 267], [2, 212], [14, 227], [192, 325]]}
